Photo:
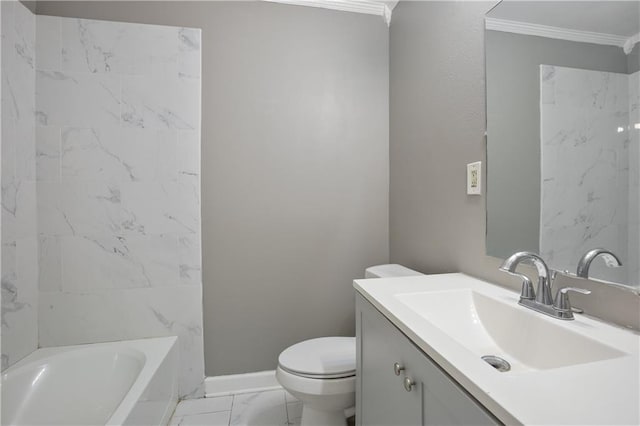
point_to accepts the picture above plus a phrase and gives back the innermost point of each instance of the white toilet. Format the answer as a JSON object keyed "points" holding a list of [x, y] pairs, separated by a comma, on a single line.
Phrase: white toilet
{"points": [[322, 372]]}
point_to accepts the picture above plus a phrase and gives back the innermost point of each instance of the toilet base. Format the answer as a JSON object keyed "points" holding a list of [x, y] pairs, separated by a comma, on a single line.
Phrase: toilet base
{"points": [[323, 400], [311, 417]]}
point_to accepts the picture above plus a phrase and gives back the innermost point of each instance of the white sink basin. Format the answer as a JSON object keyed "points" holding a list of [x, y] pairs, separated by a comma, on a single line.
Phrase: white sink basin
{"points": [[487, 326], [580, 372]]}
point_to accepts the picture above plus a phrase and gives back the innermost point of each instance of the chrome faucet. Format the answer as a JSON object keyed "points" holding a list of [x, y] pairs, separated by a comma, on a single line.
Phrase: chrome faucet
{"points": [[541, 300], [543, 294], [610, 259]]}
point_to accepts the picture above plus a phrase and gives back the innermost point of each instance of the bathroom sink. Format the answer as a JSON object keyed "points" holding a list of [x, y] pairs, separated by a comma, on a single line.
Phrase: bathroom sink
{"points": [[561, 372], [488, 326]]}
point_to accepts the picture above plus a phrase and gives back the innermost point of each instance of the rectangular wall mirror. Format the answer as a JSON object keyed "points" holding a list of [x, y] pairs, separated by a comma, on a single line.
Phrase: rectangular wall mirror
{"points": [[563, 133]]}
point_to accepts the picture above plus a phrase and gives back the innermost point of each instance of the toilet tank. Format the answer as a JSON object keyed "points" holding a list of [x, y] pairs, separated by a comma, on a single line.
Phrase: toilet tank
{"points": [[389, 271]]}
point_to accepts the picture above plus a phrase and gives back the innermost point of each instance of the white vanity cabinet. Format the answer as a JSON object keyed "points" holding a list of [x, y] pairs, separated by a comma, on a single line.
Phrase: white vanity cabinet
{"points": [[421, 394]]}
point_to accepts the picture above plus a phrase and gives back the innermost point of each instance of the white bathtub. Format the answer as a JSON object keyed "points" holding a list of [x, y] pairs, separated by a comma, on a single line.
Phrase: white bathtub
{"points": [[132, 382]]}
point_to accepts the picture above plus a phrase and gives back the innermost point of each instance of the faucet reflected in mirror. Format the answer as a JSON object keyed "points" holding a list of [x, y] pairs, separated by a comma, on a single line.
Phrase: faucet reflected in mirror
{"points": [[610, 259]]}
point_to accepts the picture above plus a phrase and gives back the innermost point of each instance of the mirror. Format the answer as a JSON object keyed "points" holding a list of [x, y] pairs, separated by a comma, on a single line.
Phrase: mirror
{"points": [[563, 131]]}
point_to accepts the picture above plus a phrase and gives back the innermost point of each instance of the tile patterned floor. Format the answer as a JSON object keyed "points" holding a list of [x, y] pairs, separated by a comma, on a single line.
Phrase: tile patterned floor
{"points": [[268, 408]]}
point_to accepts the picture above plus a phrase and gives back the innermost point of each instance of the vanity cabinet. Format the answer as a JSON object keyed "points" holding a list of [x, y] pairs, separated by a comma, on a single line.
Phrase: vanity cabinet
{"points": [[421, 394]]}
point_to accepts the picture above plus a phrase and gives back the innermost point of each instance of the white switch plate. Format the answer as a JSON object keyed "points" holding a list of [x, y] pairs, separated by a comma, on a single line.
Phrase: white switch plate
{"points": [[474, 178]]}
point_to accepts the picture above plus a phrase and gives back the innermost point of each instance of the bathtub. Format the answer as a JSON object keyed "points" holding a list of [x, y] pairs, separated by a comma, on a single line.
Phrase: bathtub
{"points": [[131, 382]]}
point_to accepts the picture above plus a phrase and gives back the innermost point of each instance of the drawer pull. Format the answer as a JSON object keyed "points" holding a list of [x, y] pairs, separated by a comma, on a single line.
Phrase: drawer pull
{"points": [[397, 368], [408, 384]]}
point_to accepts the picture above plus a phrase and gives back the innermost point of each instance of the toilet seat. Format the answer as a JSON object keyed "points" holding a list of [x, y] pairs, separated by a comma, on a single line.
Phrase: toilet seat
{"points": [[319, 376], [322, 358]]}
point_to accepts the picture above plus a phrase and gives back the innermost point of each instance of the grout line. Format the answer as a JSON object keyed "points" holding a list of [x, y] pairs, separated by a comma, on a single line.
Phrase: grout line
{"points": [[233, 400], [286, 408], [173, 413], [206, 411], [175, 421]]}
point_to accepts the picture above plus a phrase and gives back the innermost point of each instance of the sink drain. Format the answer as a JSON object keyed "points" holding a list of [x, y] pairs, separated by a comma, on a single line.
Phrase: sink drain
{"points": [[497, 363]]}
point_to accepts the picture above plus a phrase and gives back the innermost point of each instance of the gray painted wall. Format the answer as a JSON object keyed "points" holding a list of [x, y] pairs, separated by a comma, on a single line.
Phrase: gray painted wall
{"points": [[294, 167], [513, 128], [437, 122]]}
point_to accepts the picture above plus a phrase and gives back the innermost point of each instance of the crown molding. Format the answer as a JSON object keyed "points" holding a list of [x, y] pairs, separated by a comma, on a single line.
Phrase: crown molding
{"points": [[358, 6], [525, 28]]}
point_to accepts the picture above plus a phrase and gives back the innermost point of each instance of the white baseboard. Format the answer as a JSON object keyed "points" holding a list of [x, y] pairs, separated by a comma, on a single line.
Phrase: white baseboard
{"points": [[240, 383]]}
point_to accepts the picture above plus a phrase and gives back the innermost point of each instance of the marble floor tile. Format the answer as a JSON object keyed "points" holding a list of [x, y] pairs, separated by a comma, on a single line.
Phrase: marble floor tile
{"points": [[220, 418], [268, 408], [191, 407], [261, 408]]}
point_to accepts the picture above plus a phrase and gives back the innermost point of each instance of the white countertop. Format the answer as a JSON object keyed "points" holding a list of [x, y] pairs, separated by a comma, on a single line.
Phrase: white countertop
{"points": [[604, 392]]}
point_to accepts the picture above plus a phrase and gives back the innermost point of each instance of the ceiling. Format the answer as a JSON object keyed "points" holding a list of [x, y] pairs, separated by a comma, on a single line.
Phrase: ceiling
{"points": [[620, 18]]}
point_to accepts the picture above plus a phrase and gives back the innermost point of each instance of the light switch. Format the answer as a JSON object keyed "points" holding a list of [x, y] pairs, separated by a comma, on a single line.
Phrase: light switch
{"points": [[474, 178]]}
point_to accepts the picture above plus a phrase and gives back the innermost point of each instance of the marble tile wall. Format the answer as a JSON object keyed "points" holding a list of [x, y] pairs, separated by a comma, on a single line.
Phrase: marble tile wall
{"points": [[18, 181], [585, 168], [634, 177], [118, 179]]}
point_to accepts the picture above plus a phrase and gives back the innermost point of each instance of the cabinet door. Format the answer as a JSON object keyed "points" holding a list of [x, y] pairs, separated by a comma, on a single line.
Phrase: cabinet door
{"points": [[381, 397], [444, 402]]}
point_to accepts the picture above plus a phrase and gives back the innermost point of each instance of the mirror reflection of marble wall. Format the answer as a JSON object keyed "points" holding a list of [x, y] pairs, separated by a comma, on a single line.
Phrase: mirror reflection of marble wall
{"points": [[515, 188], [589, 168]]}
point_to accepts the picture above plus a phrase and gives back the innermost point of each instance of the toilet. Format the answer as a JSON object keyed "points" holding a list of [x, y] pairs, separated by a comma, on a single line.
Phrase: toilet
{"points": [[322, 372]]}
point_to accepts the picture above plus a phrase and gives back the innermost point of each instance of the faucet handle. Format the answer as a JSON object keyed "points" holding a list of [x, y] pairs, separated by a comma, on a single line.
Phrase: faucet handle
{"points": [[562, 302]]}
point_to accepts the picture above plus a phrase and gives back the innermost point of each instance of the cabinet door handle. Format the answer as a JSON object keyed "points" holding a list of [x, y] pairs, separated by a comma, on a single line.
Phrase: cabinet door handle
{"points": [[397, 368], [408, 384]]}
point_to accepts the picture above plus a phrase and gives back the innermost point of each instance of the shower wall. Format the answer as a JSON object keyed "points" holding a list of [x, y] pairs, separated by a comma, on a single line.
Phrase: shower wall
{"points": [[18, 181], [118, 169], [634, 176]]}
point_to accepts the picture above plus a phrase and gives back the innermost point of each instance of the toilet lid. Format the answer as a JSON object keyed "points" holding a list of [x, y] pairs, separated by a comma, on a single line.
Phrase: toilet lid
{"points": [[323, 358]]}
